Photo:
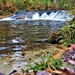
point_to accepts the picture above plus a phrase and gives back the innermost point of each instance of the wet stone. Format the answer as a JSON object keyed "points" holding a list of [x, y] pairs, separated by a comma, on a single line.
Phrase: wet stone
{"points": [[2, 74]]}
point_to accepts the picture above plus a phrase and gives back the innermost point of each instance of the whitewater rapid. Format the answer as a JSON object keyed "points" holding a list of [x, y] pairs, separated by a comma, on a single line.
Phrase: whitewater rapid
{"points": [[56, 15]]}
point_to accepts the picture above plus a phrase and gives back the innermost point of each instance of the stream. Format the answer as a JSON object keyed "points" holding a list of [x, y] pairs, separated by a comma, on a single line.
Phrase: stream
{"points": [[19, 35]]}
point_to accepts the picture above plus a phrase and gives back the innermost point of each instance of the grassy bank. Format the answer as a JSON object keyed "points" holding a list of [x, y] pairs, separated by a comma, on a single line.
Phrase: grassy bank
{"points": [[13, 6]]}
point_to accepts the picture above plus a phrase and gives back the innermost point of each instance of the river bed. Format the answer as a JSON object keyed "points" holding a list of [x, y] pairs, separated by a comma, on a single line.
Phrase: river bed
{"points": [[21, 36], [17, 61]]}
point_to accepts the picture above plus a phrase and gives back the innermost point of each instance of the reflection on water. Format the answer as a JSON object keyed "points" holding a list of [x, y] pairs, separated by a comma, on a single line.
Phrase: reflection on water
{"points": [[15, 34]]}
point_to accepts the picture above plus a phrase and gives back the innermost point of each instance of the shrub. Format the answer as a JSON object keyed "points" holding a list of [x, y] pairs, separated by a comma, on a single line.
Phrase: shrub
{"points": [[68, 33]]}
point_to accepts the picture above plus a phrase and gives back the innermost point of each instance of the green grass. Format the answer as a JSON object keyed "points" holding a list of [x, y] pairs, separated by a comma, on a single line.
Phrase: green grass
{"points": [[31, 5], [45, 61], [68, 33]]}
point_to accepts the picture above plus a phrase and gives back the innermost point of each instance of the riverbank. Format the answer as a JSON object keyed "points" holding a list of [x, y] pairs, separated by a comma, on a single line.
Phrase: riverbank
{"points": [[18, 60], [4, 16]]}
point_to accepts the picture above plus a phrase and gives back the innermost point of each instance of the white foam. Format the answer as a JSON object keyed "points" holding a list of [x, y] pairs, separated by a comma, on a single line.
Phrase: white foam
{"points": [[35, 16], [6, 19], [57, 16]]}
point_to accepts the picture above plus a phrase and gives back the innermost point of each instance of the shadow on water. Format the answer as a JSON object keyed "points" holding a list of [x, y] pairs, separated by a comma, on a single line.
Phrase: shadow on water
{"points": [[15, 34]]}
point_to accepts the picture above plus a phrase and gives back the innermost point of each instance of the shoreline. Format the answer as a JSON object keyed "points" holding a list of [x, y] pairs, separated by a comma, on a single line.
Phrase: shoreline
{"points": [[4, 16], [16, 61]]}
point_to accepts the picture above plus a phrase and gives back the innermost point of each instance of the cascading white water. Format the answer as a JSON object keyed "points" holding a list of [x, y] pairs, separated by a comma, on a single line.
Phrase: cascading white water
{"points": [[35, 16], [60, 15]]}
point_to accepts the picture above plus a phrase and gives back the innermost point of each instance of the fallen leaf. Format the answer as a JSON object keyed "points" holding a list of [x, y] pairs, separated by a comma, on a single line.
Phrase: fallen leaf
{"points": [[73, 46], [16, 73], [58, 72], [71, 62]]}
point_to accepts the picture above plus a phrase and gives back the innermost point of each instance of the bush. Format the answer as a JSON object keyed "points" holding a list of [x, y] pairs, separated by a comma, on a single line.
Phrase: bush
{"points": [[68, 33]]}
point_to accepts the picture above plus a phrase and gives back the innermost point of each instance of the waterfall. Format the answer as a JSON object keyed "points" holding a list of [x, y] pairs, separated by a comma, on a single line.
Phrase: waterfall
{"points": [[55, 15]]}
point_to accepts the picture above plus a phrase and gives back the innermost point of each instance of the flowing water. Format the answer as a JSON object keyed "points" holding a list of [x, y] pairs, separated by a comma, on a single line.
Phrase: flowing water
{"points": [[56, 15], [16, 33]]}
